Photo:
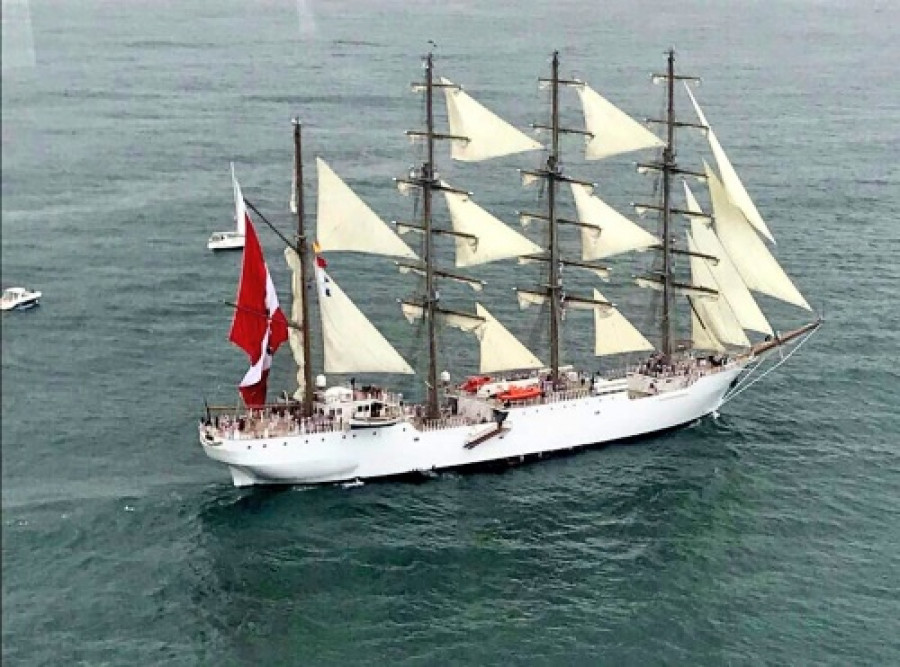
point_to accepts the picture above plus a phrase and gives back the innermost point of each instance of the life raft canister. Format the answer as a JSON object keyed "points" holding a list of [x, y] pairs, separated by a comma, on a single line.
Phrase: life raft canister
{"points": [[472, 384], [519, 393]]}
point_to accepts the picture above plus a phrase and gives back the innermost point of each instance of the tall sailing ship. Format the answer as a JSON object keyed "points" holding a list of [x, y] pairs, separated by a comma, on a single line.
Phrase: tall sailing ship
{"points": [[522, 405]]}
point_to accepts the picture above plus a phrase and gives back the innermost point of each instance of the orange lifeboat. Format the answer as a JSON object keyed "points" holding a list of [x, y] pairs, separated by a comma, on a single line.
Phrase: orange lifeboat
{"points": [[519, 393], [472, 384]]}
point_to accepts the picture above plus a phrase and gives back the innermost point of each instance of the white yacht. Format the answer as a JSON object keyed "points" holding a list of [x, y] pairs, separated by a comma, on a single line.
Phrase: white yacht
{"points": [[232, 239], [19, 298]]}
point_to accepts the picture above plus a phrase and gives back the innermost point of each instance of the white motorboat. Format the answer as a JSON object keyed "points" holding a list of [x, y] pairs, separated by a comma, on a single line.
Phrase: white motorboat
{"points": [[19, 298]]}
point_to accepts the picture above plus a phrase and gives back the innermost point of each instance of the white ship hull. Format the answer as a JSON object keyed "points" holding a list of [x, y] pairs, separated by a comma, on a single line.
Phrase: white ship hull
{"points": [[528, 431]]}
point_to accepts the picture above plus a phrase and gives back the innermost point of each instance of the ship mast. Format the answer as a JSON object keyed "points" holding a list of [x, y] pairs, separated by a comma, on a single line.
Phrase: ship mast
{"points": [[669, 169], [553, 174], [668, 164], [426, 179], [428, 183], [553, 291], [304, 272]]}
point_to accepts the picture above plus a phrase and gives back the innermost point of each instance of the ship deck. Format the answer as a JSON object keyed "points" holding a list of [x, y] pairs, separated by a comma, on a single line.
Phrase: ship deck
{"points": [[284, 420]]}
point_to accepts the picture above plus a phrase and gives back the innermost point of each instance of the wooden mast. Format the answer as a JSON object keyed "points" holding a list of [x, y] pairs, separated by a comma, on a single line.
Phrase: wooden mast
{"points": [[302, 252], [553, 173], [669, 169], [553, 286], [432, 410], [668, 165], [427, 180]]}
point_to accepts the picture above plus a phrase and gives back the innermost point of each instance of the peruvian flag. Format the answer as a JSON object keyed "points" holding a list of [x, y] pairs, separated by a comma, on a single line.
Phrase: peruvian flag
{"points": [[259, 327]]}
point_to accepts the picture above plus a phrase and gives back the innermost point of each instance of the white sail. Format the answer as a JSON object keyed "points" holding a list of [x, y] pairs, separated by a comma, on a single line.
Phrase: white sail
{"points": [[692, 204], [727, 278], [701, 337], [733, 186], [500, 350], [345, 222], [716, 314], [529, 179], [461, 321], [295, 336], [613, 130], [487, 135], [352, 343], [613, 334], [240, 208], [527, 299], [758, 268], [405, 188], [617, 234], [494, 241]]}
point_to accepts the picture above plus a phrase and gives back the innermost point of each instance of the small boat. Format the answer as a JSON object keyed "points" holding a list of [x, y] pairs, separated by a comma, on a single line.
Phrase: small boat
{"points": [[494, 388], [474, 383], [375, 411], [374, 422], [232, 239], [19, 298], [519, 394]]}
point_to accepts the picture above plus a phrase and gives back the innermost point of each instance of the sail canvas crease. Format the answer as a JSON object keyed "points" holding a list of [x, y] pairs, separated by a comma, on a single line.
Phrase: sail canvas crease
{"points": [[345, 222], [758, 268], [732, 183], [716, 314], [487, 135], [496, 240], [614, 132], [617, 234], [352, 343], [728, 281], [613, 334], [500, 350]]}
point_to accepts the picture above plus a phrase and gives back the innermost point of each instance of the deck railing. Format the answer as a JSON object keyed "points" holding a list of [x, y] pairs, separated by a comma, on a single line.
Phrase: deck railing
{"points": [[272, 422], [277, 420]]}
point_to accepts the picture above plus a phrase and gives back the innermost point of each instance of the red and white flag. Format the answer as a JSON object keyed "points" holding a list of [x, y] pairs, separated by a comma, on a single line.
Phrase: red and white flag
{"points": [[259, 327]]}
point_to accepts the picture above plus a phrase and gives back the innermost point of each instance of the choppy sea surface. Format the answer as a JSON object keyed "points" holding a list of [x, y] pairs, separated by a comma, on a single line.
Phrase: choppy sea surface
{"points": [[768, 536]]}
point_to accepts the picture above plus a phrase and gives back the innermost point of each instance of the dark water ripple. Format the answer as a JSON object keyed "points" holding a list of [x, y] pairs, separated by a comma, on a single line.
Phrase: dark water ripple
{"points": [[766, 536]]}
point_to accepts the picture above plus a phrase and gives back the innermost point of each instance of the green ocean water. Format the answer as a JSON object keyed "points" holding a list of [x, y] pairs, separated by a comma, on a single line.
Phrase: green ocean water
{"points": [[767, 536]]}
